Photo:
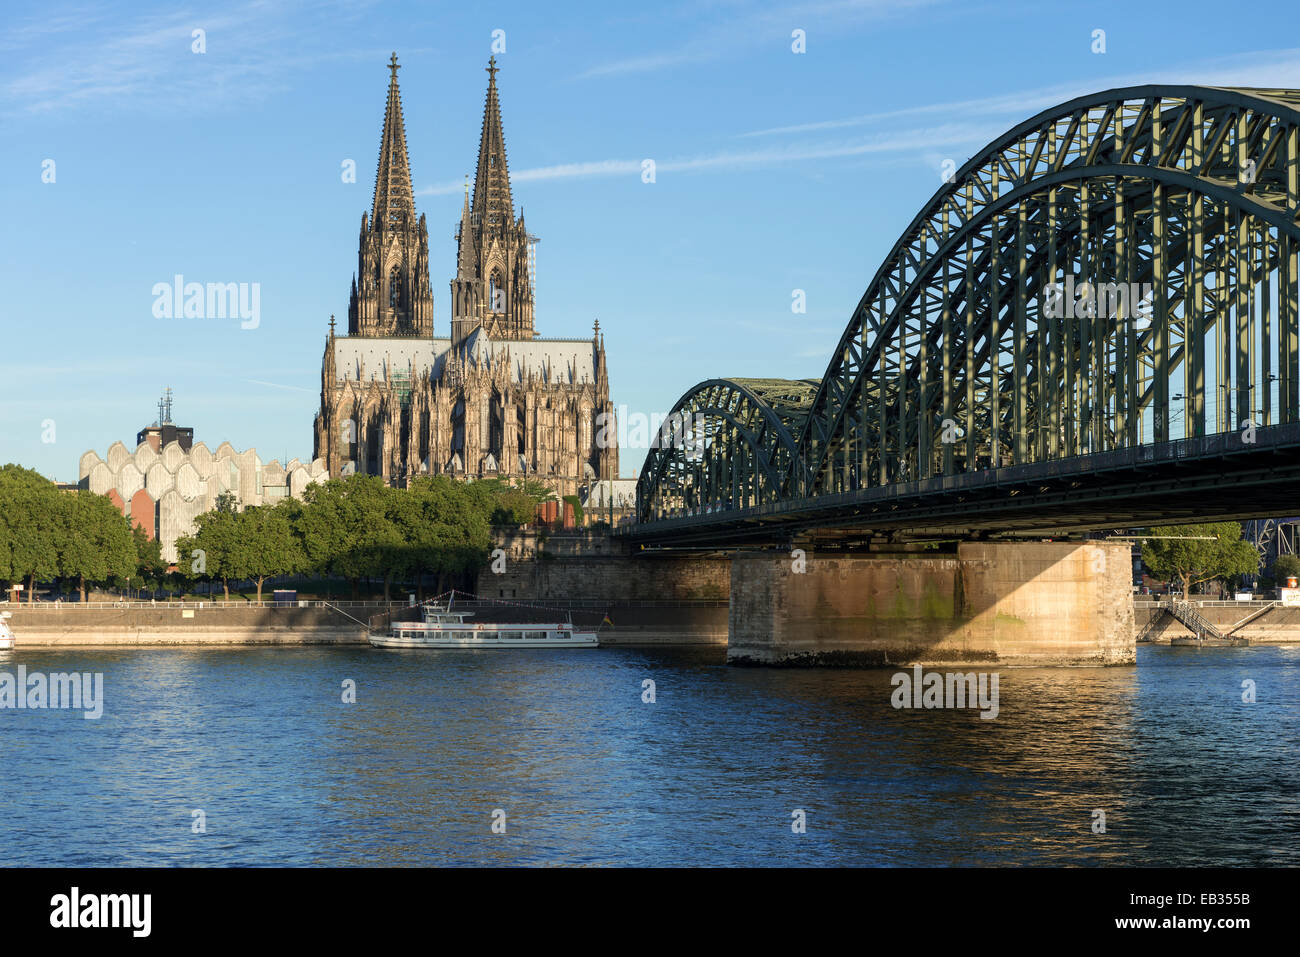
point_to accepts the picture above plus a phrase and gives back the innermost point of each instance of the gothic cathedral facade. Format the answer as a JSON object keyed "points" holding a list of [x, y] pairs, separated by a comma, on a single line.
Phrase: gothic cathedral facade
{"points": [[491, 399]]}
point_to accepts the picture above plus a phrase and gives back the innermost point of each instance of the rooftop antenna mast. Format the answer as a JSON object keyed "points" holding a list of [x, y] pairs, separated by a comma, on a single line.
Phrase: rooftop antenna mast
{"points": [[165, 407]]}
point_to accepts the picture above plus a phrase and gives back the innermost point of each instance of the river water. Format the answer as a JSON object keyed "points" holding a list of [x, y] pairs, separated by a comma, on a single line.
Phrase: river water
{"points": [[584, 772]]}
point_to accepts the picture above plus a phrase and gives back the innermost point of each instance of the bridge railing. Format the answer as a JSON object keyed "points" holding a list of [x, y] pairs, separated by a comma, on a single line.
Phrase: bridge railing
{"points": [[1207, 603], [1286, 435], [53, 606], [576, 603]]}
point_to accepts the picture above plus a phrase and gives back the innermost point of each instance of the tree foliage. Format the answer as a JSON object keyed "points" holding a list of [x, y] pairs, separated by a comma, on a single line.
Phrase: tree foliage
{"points": [[48, 535], [215, 546], [354, 527], [98, 543], [1192, 554], [30, 525], [357, 527], [265, 543], [1286, 566], [512, 503]]}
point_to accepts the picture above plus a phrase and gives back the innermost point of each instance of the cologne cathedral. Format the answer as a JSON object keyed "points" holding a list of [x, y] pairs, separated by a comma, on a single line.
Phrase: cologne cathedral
{"points": [[492, 398]]}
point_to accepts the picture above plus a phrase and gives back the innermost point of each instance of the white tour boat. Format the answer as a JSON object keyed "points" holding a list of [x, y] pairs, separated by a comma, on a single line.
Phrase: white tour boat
{"points": [[444, 628], [6, 633]]}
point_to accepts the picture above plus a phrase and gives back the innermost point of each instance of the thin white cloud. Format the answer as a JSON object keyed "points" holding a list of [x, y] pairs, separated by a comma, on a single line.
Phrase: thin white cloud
{"points": [[83, 58], [766, 24], [922, 138], [1265, 68], [640, 64], [569, 170], [1018, 103], [277, 385]]}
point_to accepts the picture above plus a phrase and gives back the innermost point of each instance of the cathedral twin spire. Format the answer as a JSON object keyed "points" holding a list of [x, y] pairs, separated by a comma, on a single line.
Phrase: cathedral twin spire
{"points": [[503, 417], [493, 288], [492, 202], [393, 196], [493, 285], [391, 294]]}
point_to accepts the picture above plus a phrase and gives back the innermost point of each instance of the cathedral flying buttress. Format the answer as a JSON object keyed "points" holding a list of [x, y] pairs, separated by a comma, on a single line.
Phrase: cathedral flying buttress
{"points": [[492, 399]]}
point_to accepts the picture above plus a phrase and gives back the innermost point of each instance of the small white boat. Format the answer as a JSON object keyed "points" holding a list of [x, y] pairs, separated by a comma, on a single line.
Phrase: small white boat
{"points": [[6, 633], [443, 628]]}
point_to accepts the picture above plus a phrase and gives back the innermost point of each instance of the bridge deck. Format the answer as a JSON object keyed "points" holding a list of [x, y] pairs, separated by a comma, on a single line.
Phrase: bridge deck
{"points": [[1186, 480]]}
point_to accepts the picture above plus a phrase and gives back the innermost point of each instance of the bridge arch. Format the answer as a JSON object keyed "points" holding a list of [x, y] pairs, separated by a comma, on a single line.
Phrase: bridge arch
{"points": [[727, 443], [981, 342], [953, 360]]}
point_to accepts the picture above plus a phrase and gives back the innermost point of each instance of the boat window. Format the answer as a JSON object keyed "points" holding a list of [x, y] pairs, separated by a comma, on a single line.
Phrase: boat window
{"points": [[536, 634], [515, 635]]}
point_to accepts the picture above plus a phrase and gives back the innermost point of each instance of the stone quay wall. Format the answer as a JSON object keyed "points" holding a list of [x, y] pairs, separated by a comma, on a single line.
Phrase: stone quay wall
{"points": [[71, 625], [1273, 625], [610, 578], [651, 598], [1029, 603]]}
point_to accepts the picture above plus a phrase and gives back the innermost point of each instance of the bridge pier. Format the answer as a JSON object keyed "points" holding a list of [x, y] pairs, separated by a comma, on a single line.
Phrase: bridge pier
{"points": [[1012, 603]]}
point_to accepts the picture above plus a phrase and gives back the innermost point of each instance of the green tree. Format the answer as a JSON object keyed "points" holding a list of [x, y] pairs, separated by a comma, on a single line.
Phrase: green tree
{"points": [[265, 544], [445, 527], [346, 529], [1192, 554], [189, 570], [514, 507], [31, 527], [512, 504], [95, 541], [213, 547], [151, 570], [1286, 566]]}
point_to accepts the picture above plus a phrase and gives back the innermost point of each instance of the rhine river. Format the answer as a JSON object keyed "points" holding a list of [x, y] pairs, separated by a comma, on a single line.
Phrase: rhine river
{"points": [[586, 773]]}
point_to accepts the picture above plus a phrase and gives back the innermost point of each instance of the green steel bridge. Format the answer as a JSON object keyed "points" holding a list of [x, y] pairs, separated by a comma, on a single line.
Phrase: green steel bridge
{"points": [[1092, 324]]}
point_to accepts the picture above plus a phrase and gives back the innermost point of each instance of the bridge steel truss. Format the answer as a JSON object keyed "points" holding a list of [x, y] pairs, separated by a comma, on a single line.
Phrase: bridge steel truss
{"points": [[1117, 272], [727, 443]]}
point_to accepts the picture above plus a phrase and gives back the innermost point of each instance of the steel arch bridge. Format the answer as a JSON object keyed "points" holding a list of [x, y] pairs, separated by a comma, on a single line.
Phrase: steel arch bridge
{"points": [[1093, 323]]}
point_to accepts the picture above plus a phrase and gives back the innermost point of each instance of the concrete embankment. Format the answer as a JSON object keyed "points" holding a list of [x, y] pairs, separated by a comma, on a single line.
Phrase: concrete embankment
{"points": [[79, 626], [1259, 623], [632, 622], [1023, 603], [629, 623]]}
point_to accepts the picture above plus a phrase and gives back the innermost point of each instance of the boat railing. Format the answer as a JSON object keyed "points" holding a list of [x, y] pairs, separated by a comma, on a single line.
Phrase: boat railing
{"points": [[564, 607]]}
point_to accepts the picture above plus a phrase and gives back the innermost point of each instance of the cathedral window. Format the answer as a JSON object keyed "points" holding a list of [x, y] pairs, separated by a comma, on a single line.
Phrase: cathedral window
{"points": [[496, 293], [394, 289], [458, 426]]}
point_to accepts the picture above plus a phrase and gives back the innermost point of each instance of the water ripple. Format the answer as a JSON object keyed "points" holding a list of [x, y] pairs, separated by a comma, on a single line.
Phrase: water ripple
{"points": [[286, 773]]}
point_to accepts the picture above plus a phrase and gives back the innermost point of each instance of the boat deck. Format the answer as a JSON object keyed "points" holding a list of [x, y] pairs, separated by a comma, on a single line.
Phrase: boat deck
{"points": [[418, 634]]}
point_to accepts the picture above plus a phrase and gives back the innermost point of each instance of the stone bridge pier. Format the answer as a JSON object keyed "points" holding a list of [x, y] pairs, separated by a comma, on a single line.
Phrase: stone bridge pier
{"points": [[1005, 603]]}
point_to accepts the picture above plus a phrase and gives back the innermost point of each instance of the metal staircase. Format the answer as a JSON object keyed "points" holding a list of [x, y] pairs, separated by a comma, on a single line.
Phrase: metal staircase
{"points": [[1193, 620]]}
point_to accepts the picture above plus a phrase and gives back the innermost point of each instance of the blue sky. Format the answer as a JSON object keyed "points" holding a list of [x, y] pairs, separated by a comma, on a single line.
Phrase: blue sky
{"points": [[775, 171]]}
